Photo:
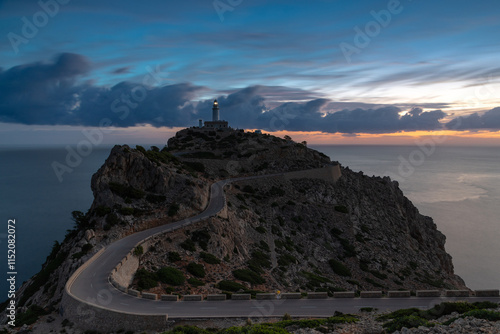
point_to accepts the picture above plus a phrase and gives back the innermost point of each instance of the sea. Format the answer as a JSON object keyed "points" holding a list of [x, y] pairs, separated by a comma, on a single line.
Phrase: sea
{"points": [[459, 187]]}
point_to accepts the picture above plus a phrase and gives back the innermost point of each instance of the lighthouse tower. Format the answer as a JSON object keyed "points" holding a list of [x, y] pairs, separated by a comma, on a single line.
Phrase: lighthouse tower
{"points": [[215, 111], [215, 123]]}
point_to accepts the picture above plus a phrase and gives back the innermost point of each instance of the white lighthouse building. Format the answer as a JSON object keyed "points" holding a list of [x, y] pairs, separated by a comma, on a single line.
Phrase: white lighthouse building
{"points": [[216, 123]]}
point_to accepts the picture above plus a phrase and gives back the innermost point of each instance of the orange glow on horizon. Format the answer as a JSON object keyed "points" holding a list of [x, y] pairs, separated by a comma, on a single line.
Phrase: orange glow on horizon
{"points": [[444, 137]]}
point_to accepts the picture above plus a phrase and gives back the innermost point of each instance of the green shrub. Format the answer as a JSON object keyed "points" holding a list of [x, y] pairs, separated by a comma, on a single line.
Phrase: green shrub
{"points": [[349, 249], [146, 279], [373, 282], [265, 328], [483, 314], [138, 251], [485, 305], [339, 268], [188, 330], [174, 256], [173, 209], [342, 319], [230, 286], [196, 269], [127, 211], [316, 280], [260, 260], [155, 199], [112, 219], [410, 321], [102, 210], [171, 276], [263, 245], [126, 191], [30, 316], [248, 189], [335, 231], [261, 229], [400, 313], [341, 208], [209, 258], [249, 276], [447, 308], [196, 166], [188, 245], [140, 149], [287, 259], [195, 282]]}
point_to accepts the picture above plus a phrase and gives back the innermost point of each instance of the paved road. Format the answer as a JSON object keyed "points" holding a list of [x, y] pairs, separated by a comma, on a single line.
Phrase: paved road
{"points": [[92, 285]]}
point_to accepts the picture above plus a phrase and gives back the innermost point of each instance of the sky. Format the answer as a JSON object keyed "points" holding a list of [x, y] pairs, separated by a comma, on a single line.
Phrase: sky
{"points": [[325, 71]]}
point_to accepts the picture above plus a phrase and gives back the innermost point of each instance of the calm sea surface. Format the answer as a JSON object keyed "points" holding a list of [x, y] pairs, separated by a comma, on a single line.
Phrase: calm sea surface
{"points": [[458, 187]]}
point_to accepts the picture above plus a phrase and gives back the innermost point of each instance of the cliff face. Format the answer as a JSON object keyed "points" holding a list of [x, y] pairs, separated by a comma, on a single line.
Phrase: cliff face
{"points": [[279, 234], [310, 235]]}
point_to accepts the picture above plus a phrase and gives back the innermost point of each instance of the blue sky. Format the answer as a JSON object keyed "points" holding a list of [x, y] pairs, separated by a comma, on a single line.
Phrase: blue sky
{"points": [[429, 61]]}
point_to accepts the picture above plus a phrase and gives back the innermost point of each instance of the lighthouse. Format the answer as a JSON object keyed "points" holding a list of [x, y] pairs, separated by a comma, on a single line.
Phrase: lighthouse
{"points": [[216, 123], [215, 111]]}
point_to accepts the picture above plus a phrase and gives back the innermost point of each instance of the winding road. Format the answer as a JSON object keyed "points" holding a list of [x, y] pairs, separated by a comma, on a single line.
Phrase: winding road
{"points": [[92, 286]]}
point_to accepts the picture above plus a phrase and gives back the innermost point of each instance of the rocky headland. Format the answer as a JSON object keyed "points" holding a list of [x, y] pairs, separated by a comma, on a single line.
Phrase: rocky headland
{"points": [[305, 234]]}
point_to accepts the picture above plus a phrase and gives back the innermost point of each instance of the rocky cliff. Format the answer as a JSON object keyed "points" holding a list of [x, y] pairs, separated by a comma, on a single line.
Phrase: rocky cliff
{"points": [[278, 234]]}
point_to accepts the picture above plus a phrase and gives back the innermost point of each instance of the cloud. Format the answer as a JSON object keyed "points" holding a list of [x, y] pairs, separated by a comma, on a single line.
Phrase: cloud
{"points": [[55, 93], [490, 120], [121, 70], [52, 93], [41, 93]]}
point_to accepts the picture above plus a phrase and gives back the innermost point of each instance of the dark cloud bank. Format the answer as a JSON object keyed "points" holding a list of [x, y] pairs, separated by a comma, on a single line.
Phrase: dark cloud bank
{"points": [[53, 94]]}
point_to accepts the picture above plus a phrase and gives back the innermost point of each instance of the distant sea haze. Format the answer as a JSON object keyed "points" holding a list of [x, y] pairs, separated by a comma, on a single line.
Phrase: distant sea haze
{"points": [[457, 186]]}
